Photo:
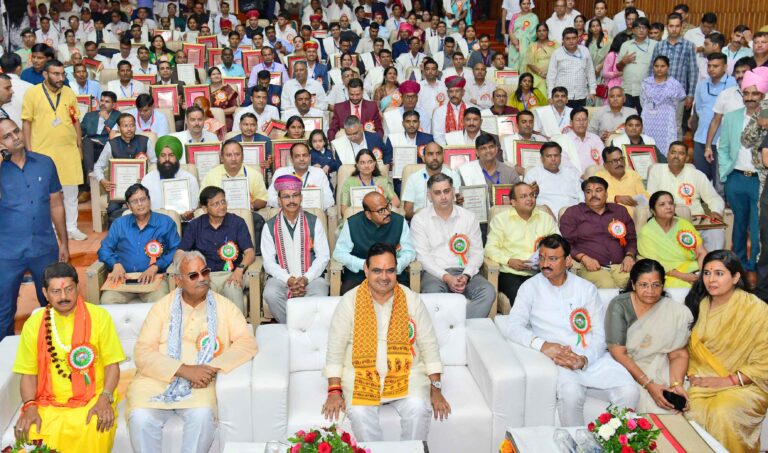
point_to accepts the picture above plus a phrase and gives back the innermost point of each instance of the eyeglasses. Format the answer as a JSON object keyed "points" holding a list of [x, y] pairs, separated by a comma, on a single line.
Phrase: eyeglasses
{"points": [[215, 204], [654, 286], [193, 276], [138, 201], [383, 210], [615, 161]]}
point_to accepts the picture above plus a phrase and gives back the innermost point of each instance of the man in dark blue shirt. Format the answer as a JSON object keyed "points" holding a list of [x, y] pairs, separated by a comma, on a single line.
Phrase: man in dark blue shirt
{"points": [[142, 243], [40, 54], [224, 240], [30, 201]]}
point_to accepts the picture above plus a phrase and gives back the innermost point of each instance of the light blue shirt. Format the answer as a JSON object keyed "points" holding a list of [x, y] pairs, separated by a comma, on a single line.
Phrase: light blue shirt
{"points": [[157, 123], [704, 99], [343, 251], [92, 87], [235, 70]]}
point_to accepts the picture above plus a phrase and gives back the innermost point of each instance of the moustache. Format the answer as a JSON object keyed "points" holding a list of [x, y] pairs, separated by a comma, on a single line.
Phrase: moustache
{"points": [[594, 199], [202, 284], [546, 269], [292, 205]]}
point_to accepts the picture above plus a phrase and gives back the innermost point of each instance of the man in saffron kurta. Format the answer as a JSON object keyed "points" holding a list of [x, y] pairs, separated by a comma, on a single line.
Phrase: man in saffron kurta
{"points": [[409, 359], [70, 415], [176, 363]]}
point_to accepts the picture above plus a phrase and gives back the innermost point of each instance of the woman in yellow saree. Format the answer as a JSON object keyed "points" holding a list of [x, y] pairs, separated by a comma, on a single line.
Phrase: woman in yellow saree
{"points": [[672, 241], [728, 349]]}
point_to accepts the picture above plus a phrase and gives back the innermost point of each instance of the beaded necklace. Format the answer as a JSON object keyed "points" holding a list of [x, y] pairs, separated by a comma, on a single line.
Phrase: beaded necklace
{"points": [[50, 325]]}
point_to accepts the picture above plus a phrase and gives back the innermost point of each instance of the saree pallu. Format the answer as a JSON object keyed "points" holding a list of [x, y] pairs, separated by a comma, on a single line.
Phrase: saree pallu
{"points": [[732, 337], [654, 243], [524, 29], [649, 339]]}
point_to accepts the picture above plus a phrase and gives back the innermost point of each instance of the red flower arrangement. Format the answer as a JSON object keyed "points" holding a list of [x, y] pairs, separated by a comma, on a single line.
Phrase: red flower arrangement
{"points": [[325, 440], [33, 446], [621, 430]]}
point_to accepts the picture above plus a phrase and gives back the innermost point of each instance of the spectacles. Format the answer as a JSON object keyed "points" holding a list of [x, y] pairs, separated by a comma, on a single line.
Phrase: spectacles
{"points": [[383, 210], [615, 161], [215, 204], [193, 276], [138, 201], [649, 285]]}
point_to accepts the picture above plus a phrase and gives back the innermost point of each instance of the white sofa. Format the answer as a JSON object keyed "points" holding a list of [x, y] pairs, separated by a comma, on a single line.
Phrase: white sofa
{"points": [[232, 390], [483, 382]]}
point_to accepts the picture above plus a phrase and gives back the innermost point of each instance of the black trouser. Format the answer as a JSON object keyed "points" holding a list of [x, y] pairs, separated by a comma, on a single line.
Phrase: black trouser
{"points": [[509, 284], [91, 153], [258, 225], [633, 102], [575, 103], [762, 261]]}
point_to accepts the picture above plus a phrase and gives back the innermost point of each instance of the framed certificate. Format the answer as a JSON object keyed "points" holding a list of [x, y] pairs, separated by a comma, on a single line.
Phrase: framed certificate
{"points": [[640, 158], [276, 78], [254, 153], [507, 77], [124, 173], [195, 54], [208, 41], [146, 79], [506, 125], [125, 104], [456, 156], [291, 59], [337, 60], [186, 73], [166, 97], [204, 156], [236, 193], [251, 58], [237, 84], [476, 200], [92, 64], [313, 123], [274, 125], [319, 34], [166, 34], [527, 153], [214, 56], [402, 156], [356, 195], [281, 150], [501, 194], [85, 102], [176, 195], [192, 92], [312, 197]]}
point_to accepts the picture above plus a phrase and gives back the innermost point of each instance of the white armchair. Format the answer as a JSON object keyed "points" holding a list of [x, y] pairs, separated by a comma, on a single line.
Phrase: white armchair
{"points": [[232, 390], [481, 380]]}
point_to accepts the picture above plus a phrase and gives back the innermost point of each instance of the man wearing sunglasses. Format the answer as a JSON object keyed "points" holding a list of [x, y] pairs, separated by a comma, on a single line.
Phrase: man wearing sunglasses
{"points": [[295, 250], [376, 224], [224, 240]]}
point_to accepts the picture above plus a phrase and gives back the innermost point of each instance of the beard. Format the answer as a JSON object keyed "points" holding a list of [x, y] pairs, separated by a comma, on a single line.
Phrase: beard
{"points": [[168, 170]]}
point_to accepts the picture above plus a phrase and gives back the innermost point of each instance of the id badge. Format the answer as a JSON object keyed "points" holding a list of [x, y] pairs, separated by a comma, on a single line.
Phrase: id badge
{"points": [[56, 122]]}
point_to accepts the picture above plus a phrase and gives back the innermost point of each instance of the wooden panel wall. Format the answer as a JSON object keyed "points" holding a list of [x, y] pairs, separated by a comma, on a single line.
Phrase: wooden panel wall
{"points": [[730, 13]]}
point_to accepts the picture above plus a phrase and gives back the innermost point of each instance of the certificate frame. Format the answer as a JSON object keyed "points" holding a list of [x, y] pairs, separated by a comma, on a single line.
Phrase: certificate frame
{"points": [[506, 125], [521, 147], [281, 150], [456, 156], [312, 123], [634, 154], [356, 195], [254, 153], [274, 125], [135, 166], [276, 78], [251, 58], [291, 60], [166, 97], [192, 92], [501, 194], [337, 60], [166, 34], [507, 77], [209, 41], [237, 84], [86, 100], [320, 34], [171, 190], [403, 156], [195, 53], [214, 56], [146, 79], [202, 156], [192, 149], [312, 197], [237, 192], [184, 71], [476, 200], [125, 104], [93, 64]]}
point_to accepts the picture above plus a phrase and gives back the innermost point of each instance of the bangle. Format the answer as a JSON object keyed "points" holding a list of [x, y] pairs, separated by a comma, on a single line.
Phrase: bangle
{"points": [[27, 405], [644, 376], [733, 380], [675, 384], [647, 382], [741, 381], [336, 391], [334, 387]]}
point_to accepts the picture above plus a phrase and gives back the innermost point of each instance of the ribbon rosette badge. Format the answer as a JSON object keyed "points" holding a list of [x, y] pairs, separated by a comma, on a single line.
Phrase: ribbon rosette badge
{"points": [[369, 126], [686, 191], [153, 249], [81, 358], [459, 246], [412, 335], [619, 231], [686, 239], [581, 324], [229, 252], [202, 341]]}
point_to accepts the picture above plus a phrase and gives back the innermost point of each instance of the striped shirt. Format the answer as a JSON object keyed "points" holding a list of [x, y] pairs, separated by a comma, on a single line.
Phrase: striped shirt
{"points": [[682, 62]]}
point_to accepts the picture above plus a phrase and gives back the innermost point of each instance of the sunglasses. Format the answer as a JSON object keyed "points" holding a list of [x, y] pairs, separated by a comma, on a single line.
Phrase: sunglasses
{"points": [[193, 276]]}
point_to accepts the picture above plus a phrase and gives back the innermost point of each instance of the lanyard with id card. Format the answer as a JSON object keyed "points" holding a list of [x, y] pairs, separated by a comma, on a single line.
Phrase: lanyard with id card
{"points": [[56, 120]]}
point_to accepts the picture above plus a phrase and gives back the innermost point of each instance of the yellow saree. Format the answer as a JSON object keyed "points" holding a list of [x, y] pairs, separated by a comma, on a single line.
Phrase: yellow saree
{"points": [[732, 337], [665, 247]]}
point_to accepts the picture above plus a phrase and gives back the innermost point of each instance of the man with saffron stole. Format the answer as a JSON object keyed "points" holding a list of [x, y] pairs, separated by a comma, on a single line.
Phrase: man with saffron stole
{"points": [[68, 357], [408, 361], [295, 250], [188, 337]]}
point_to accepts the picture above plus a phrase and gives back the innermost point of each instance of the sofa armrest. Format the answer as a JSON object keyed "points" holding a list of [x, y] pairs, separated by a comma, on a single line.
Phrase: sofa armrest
{"points": [[95, 275], [253, 278], [269, 383], [233, 396], [336, 270], [499, 375], [490, 270], [10, 382], [414, 275], [540, 381]]}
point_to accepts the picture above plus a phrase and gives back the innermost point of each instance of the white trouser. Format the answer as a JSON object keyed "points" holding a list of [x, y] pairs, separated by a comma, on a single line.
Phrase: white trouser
{"points": [[571, 396], [146, 429], [70, 206], [415, 416], [713, 239]]}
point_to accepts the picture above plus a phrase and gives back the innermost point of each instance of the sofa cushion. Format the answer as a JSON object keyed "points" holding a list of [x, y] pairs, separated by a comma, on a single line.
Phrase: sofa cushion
{"points": [[449, 313], [309, 321]]}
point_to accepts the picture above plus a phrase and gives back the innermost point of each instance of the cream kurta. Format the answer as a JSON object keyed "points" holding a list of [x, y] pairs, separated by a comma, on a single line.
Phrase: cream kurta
{"points": [[339, 354], [155, 369]]}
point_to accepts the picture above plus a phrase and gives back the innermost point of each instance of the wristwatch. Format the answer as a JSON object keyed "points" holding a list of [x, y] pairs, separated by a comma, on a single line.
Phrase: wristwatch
{"points": [[241, 266], [110, 397], [437, 385]]}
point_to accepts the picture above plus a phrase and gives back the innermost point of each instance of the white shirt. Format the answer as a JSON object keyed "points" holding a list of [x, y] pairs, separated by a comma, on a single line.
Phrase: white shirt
{"points": [[157, 123], [415, 190], [556, 190], [542, 312], [337, 94], [432, 96], [313, 86], [20, 88], [132, 90], [549, 122], [262, 119], [432, 235], [621, 22], [557, 25], [334, 12], [106, 154], [185, 138], [660, 178], [51, 38], [480, 95], [153, 183], [609, 26], [151, 69], [312, 113], [118, 57], [320, 246], [696, 36], [314, 177], [744, 158], [729, 100]]}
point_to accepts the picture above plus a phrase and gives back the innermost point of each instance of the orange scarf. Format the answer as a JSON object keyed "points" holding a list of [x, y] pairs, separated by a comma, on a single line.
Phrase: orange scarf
{"points": [[82, 392], [367, 388], [450, 122]]}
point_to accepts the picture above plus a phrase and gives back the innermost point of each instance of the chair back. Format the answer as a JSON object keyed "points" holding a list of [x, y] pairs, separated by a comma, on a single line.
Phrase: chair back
{"points": [[128, 320], [189, 168], [344, 172], [591, 171], [218, 115], [643, 214], [409, 170], [230, 134], [107, 75], [168, 113]]}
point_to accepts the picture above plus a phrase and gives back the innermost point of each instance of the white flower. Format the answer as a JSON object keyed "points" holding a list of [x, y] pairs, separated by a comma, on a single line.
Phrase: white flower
{"points": [[632, 415], [615, 423], [606, 431]]}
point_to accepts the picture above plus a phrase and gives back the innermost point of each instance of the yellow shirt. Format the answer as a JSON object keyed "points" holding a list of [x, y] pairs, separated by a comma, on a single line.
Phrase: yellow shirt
{"points": [[103, 337], [510, 236], [155, 369], [255, 180], [631, 184], [59, 141]]}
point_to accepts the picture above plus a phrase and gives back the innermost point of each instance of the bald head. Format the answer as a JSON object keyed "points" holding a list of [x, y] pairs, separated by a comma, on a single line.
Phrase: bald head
{"points": [[377, 208]]}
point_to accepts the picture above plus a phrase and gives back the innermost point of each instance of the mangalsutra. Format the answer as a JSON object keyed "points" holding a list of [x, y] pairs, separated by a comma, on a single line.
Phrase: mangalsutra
{"points": [[50, 326]]}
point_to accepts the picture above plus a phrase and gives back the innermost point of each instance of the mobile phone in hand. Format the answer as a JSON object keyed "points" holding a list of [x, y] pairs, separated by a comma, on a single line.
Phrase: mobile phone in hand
{"points": [[674, 399]]}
